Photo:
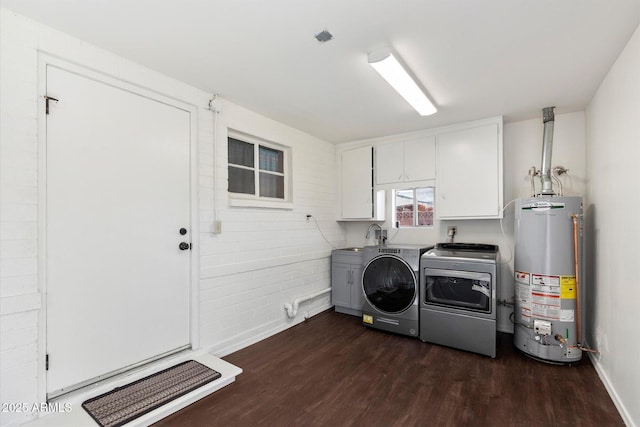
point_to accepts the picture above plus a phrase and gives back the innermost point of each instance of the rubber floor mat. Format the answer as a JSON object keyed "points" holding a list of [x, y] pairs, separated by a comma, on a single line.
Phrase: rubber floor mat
{"points": [[124, 404]]}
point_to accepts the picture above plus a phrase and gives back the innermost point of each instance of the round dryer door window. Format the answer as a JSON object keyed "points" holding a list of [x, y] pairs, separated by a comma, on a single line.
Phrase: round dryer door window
{"points": [[389, 284]]}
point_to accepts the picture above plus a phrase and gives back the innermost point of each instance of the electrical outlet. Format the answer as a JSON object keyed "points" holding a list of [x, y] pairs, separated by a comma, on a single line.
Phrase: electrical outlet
{"points": [[217, 227], [452, 230]]}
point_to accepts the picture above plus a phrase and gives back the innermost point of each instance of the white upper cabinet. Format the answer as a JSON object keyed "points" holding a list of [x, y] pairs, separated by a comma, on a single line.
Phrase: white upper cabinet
{"points": [[464, 161], [469, 174], [389, 163], [356, 179], [412, 160], [420, 159]]}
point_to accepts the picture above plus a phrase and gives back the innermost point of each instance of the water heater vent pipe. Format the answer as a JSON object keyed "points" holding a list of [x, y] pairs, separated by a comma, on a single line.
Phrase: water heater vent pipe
{"points": [[548, 118]]}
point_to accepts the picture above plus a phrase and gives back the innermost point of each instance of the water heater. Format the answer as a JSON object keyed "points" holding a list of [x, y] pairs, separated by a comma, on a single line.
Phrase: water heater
{"points": [[548, 252]]}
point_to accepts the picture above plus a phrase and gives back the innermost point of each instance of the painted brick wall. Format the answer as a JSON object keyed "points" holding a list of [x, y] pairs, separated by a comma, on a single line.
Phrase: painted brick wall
{"points": [[263, 259], [19, 297]]}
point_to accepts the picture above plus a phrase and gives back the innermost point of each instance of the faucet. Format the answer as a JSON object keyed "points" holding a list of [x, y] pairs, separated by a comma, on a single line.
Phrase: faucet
{"points": [[380, 239]]}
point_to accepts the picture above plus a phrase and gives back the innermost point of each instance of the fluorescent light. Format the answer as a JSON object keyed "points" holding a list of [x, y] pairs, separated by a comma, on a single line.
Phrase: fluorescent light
{"points": [[394, 73]]}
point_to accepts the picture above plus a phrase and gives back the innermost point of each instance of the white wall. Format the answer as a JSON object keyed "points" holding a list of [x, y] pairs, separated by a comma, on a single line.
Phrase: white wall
{"points": [[265, 257], [522, 149], [613, 229], [262, 259]]}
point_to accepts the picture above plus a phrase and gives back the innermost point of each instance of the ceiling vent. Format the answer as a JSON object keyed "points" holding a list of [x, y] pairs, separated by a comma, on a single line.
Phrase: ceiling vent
{"points": [[323, 36]]}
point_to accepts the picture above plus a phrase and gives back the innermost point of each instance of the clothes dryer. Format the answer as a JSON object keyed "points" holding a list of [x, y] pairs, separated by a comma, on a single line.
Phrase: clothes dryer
{"points": [[458, 283], [390, 283]]}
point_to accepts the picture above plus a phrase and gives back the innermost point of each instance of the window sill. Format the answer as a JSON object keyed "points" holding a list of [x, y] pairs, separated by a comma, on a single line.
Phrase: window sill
{"points": [[267, 204]]}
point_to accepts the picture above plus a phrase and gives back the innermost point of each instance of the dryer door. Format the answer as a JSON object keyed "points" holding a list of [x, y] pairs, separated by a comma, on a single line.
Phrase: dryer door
{"points": [[389, 284]]}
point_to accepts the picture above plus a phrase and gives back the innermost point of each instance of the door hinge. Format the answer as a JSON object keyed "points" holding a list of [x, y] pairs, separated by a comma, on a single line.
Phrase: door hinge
{"points": [[47, 99], [46, 362]]}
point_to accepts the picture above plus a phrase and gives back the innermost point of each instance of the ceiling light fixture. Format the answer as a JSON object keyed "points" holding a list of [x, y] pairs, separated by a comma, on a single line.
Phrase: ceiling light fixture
{"points": [[394, 73]]}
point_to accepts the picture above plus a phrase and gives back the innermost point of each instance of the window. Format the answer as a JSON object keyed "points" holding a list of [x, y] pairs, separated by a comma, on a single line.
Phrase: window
{"points": [[413, 207], [265, 178]]}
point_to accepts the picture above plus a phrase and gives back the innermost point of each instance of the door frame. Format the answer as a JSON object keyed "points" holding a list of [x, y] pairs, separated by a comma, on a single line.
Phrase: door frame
{"points": [[45, 60]]}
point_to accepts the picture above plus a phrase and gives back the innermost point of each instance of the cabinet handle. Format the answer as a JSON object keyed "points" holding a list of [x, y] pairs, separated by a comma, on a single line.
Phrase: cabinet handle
{"points": [[350, 281]]}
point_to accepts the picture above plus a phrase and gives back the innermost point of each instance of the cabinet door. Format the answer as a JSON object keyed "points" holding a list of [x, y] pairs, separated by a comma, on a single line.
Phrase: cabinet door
{"points": [[469, 173], [357, 183], [389, 163], [357, 293], [420, 159], [341, 284], [413, 160]]}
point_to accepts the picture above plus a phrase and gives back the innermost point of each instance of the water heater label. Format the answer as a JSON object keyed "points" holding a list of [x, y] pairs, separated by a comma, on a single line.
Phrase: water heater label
{"points": [[522, 277], [523, 296], [542, 206], [568, 287], [567, 316], [545, 283], [545, 296]]}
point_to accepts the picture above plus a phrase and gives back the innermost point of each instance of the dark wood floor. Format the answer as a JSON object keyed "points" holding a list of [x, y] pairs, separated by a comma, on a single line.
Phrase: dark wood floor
{"points": [[332, 371]]}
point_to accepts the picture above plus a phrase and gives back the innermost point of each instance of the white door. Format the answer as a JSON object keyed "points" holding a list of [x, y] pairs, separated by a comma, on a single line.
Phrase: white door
{"points": [[117, 194]]}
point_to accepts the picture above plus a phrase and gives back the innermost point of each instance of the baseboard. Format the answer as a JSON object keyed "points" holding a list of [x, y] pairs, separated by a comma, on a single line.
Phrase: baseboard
{"points": [[626, 417], [232, 345]]}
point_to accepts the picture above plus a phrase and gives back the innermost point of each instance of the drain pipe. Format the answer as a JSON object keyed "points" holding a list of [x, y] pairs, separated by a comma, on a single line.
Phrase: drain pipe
{"points": [[548, 118], [292, 309]]}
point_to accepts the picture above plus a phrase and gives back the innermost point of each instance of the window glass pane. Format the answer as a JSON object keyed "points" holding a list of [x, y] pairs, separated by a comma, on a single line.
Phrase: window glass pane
{"points": [[424, 204], [271, 185], [241, 181], [271, 160], [404, 208], [240, 153]]}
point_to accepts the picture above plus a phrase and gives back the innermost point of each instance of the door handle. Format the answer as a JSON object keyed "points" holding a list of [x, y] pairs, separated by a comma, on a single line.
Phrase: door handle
{"points": [[184, 246]]}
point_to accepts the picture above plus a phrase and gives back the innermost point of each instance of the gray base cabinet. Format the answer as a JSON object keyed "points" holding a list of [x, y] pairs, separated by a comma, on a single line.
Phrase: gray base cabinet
{"points": [[346, 278]]}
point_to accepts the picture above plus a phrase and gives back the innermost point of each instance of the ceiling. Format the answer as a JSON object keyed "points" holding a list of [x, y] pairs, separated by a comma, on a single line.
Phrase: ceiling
{"points": [[475, 58]]}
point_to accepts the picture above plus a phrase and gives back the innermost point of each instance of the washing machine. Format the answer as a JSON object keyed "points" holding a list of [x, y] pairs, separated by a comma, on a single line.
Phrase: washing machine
{"points": [[390, 283]]}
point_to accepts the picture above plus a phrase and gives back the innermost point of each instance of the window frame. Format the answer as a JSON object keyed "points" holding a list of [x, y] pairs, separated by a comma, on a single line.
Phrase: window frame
{"points": [[255, 199], [394, 211]]}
